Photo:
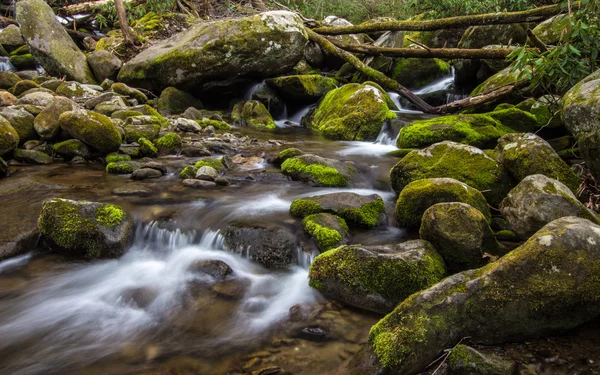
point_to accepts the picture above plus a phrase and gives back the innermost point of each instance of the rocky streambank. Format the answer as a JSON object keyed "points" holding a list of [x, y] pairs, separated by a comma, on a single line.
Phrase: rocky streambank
{"points": [[210, 188]]}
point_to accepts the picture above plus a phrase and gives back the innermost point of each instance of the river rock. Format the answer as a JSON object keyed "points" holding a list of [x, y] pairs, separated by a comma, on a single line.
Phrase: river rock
{"points": [[173, 101], [502, 78], [526, 154], [454, 160], [217, 269], [145, 174], [538, 200], [72, 148], [253, 114], [39, 98], [551, 30], [85, 229], [207, 173], [22, 121], [74, 89], [199, 184], [304, 88], [93, 129], [460, 233], [32, 157], [147, 148], [8, 80], [530, 292], [11, 38], [105, 65], [9, 138], [547, 109], [417, 73], [419, 195], [186, 125], [123, 89], [362, 210], [137, 127], [46, 123], [49, 42], [270, 247], [261, 45], [464, 360], [318, 171], [328, 231], [376, 278], [353, 112], [169, 143]]}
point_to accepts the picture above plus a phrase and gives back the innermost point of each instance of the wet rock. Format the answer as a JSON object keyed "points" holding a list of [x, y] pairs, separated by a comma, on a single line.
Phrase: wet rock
{"points": [[464, 360], [207, 173], [328, 231], [363, 210], [49, 42], [85, 229], [527, 154], [315, 334], [265, 44], [539, 200], [7, 99], [9, 138], [141, 297], [110, 106], [460, 234], [173, 101], [304, 88], [199, 184], [120, 167], [253, 114], [376, 278], [38, 98], [46, 124], [354, 112], [32, 157], [285, 155], [271, 100], [145, 174], [515, 120], [105, 65], [186, 125], [169, 144], [23, 86], [141, 126], [123, 89], [8, 80], [419, 195], [217, 269], [270, 247], [11, 38], [93, 129], [222, 181], [318, 171], [157, 166], [454, 160], [417, 73], [530, 292], [194, 151], [231, 289], [133, 190], [104, 97], [22, 121], [147, 148]]}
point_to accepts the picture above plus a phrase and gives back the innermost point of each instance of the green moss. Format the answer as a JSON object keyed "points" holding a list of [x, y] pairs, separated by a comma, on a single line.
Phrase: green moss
{"points": [[507, 235], [502, 78], [368, 215], [214, 163], [303, 208], [147, 148], [62, 223], [121, 167], [71, 148], [124, 114], [309, 87], [417, 73], [169, 142], [109, 215], [326, 237], [187, 172], [389, 349], [254, 114], [324, 175], [516, 119], [400, 153], [115, 158], [289, 153], [218, 125]]}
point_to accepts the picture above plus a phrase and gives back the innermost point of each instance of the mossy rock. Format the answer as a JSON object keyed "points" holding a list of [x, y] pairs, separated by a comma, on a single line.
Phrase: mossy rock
{"points": [[581, 106], [527, 154], [209, 162], [515, 120], [476, 130], [547, 111], [9, 138], [32, 157], [147, 148], [104, 65], [141, 126], [454, 160], [306, 88], [353, 112], [173, 101], [8, 80], [416, 73], [361, 210], [72, 148], [253, 114], [85, 229], [46, 123], [22, 86], [217, 124], [169, 143], [318, 171], [286, 154], [93, 129], [11, 37], [419, 195], [376, 278], [464, 360], [187, 173], [539, 200], [22, 121], [116, 157], [23, 62], [461, 235], [120, 167], [328, 231], [502, 78], [528, 293], [551, 30], [124, 114], [123, 89], [73, 89]]}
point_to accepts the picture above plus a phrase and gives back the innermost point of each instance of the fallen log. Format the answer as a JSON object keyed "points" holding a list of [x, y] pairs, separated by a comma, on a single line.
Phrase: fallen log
{"points": [[442, 53], [78, 35], [89, 6], [479, 100], [532, 15]]}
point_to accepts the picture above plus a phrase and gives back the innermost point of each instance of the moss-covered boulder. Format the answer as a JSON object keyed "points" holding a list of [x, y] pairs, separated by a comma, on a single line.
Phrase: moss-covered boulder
{"points": [[419, 195], [49, 42], [9, 138], [516, 120], [352, 112], [216, 124], [123, 89], [356, 209], [376, 278], [328, 231], [285, 155], [416, 73], [23, 86], [85, 229], [141, 126], [22, 121], [581, 106], [11, 38], [305, 88], [46, 123], [120, 167], [23, 62], [476, 130], [261, 45], [32, 157], [169, 143], [253, 114], [547, 110], [464, 360], [93, 129], [547, 286], [173, 101], [72, 148], [74, 89], [105, 65], [8, 80], [460, 233], [539, 200], [526, 154], [454, 160], [147, 148], [318, 171], [502, 78], [551, 30]]}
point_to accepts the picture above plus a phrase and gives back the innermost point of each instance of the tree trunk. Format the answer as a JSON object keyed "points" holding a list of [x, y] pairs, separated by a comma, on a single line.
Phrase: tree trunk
{"points": [[128, 33], [443, 53], [89, 6], [532, 15]]}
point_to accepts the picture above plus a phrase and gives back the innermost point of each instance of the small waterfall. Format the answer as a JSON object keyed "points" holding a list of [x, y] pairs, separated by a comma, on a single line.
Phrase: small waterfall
{"points": [[453, 97], [293, 120], [251, 90], [386, 136], [444, 83], [6, 65]]}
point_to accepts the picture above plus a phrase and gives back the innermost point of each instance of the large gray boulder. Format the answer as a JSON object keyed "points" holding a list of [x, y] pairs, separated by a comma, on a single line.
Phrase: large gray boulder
{"points": [[91, 128], [537, 201], [49, 42], [262, 45], [547, 286]]}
